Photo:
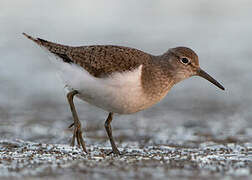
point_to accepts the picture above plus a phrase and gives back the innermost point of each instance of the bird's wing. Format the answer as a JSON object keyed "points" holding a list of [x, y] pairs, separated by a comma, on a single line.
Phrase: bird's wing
{"points": [[99, 60]]}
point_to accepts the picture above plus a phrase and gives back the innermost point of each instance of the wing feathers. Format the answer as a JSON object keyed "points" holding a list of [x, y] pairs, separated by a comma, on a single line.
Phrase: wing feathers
{"points": [[98, 60]]}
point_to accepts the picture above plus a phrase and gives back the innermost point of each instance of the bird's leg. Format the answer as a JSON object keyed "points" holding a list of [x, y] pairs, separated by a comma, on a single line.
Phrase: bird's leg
{"points": [[77, 134], [109, 132]]}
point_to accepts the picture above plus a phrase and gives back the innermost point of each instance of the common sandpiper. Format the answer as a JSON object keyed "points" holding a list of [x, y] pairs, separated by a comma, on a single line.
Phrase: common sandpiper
{"points": [[119, 79]]}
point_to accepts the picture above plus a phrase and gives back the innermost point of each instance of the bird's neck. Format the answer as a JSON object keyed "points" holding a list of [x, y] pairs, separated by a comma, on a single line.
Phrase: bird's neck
{"points": [[156, 80]]}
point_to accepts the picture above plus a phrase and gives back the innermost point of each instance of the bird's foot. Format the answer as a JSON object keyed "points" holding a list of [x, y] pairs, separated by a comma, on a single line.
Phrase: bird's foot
{"points": [[114, 151], [77, 134]]}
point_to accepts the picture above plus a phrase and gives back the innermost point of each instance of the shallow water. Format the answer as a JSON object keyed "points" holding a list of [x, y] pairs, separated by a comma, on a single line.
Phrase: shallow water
{"points": [[196, 132]]}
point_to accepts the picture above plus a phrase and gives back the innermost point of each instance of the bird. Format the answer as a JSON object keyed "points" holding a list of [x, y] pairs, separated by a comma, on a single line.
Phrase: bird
{"points": [[118, 79]]}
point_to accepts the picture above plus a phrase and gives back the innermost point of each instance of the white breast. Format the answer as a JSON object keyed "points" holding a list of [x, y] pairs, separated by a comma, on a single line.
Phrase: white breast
{"points": [[120, 92]]}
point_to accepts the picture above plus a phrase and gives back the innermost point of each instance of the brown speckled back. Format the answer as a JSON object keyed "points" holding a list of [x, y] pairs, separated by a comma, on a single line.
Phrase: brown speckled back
{"points": [[102, 60], [98, 60]]}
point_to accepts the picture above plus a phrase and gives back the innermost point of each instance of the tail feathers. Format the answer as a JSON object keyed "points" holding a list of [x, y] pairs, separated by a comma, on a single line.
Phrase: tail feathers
{"points": [[36, 40], [52, 47]]}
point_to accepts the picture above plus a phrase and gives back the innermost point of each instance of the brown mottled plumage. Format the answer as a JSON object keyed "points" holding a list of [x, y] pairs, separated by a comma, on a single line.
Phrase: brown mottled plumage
{"points": [[121, 79], [99, 60]]}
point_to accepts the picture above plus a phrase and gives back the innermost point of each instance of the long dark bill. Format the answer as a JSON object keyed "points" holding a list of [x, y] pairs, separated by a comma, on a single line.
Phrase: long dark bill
{"points": [[203, 74]]}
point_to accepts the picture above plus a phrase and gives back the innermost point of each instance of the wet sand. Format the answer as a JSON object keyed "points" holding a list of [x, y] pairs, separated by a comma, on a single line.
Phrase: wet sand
{"points": [[36, 144]]}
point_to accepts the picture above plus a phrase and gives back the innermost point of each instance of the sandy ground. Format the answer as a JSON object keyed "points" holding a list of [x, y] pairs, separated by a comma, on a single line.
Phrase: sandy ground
{"points": [[211, 160], [192, 149]]}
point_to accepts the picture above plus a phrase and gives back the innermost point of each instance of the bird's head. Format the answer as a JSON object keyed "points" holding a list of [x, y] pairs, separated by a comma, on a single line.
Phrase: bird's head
{"points": [[184, 63]]}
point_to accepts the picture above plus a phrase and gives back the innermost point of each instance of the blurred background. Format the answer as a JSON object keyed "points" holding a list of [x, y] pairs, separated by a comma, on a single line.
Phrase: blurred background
{"points": [[33, 105]]}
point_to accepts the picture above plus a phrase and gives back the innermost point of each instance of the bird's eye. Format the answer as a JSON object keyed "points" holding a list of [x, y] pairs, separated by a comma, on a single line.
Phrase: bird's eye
{"points": [[184, 60]]}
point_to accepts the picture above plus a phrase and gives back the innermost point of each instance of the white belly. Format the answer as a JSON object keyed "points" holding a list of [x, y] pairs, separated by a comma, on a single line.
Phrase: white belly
{"points": [[120, 93]]}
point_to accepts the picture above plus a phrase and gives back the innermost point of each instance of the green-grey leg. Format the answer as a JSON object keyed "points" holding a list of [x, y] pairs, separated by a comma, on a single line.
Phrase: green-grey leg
{"points": [[77, 134], [109, 132]]}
